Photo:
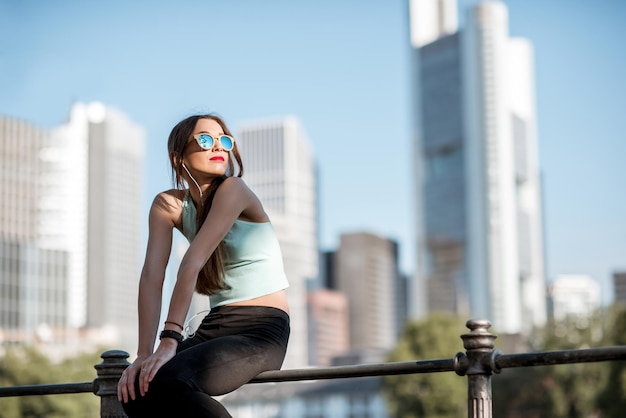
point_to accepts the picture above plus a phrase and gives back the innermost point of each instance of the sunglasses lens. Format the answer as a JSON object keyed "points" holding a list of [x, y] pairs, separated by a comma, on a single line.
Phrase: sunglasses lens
{"points": [[226, 142], [205, 141]]}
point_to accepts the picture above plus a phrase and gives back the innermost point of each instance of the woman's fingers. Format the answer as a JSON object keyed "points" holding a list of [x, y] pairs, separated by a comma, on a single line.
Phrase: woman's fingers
{"points": [[150, 367], [143, 380], [130, 384], [126, 385], [121, 390], [148, 370]]}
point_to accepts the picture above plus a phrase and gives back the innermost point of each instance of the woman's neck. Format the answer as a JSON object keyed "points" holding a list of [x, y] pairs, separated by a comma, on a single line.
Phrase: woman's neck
{"points": [[198, 194]]}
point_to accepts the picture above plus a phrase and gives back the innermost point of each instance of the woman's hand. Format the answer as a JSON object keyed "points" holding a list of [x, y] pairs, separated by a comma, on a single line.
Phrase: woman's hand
{"points": [[151, 365], [144, 368], [126, 385]]}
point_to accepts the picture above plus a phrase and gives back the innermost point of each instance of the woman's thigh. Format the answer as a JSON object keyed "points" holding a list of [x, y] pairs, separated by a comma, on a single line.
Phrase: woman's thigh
{"points": [[230, 348], [223, 364]]}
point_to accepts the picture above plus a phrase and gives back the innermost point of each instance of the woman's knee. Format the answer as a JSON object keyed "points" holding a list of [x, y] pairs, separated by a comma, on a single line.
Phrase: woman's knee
{"points": [[162, 399], [169, 385], [161, 396]]}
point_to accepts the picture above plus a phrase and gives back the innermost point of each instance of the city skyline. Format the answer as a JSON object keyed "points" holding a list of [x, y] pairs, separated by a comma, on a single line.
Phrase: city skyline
{"points": [[345, 74]]}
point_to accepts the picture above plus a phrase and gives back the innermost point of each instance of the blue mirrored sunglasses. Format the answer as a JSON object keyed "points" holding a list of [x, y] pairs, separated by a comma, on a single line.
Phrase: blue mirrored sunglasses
{"points": [[206, 141]]}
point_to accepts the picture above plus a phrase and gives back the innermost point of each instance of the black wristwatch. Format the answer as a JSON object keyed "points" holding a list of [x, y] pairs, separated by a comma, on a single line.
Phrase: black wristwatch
{"points": [[168, 333]]}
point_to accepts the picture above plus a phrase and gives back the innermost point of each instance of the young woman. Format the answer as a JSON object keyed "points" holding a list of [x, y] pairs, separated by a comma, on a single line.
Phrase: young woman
{"points": [[233, 257]]}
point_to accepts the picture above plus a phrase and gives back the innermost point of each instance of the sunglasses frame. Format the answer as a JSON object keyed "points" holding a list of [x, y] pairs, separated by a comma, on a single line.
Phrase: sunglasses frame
{"points": [[214, 138]]}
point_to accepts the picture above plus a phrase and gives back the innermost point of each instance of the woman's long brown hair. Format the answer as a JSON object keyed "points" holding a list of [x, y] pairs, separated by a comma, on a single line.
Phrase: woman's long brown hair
{"points": [[211, 277]]}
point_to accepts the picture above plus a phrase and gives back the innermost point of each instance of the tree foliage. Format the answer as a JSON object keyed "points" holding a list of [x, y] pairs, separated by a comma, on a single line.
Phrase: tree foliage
{"points": [[596, 389], [433, 395], [26, 366], [611, 399], [569, 390]]}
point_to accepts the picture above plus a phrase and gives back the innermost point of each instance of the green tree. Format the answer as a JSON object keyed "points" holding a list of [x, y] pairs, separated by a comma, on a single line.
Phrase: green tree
{"points": [[433, 395], [611, 399], [26, 366], [557, 391]]}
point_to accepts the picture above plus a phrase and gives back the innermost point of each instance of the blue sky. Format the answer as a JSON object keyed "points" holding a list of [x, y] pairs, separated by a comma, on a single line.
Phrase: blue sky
{"points": [[341, 67]]}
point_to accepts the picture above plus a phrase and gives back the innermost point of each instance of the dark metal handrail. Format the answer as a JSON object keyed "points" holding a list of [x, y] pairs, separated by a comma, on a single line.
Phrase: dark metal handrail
{"points": [[56, 389], [551, 358], [361, 370], [478, 362]]}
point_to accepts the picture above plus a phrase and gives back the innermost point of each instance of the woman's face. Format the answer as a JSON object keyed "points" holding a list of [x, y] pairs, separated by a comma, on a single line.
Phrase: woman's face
{"points": [[212, 161]]}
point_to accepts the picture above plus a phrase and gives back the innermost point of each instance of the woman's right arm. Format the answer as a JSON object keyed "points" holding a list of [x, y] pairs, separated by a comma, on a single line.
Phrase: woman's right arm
{"points": [[160, 226]]}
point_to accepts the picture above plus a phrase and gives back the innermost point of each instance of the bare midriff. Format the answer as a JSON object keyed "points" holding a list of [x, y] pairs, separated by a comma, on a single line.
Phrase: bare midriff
{"points": [[274, 300]]}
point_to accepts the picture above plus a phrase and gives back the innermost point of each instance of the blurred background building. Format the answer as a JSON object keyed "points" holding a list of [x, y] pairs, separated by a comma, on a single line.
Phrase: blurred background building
{"points": [[280, 167], [71, 230], [479, 226], [574, 297], [328, 324], [619, 286], [34, 274], [366, 270], [338, 398]]}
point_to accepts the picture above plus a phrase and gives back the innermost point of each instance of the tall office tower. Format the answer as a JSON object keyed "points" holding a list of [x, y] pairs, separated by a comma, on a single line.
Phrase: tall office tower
{"points": [[619, 286], [366, 270], [328, 326], [431, 20], [327, 270], [33, 276], [402, 302], [279, 167], [574, 296], [115, 220], [79, 189], [479, 232]]}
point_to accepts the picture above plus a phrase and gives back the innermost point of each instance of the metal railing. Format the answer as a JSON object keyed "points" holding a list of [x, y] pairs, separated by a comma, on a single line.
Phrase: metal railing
{"points": [[478, 363]]}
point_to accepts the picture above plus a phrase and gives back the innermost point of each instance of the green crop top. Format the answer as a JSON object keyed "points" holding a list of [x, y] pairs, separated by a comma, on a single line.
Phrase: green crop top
{"points": [[254, 262]]}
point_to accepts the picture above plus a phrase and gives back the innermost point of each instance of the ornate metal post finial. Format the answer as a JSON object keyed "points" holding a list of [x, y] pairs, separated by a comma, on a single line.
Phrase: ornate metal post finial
{"points": [[109, 372], [476, 363]]}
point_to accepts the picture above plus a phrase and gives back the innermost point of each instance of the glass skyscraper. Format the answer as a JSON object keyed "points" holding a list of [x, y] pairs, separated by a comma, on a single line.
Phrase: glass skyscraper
{"points": [[479, 226]]}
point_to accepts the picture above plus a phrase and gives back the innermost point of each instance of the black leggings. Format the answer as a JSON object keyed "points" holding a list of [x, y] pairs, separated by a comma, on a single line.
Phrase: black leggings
{"points": [[231, 346]]}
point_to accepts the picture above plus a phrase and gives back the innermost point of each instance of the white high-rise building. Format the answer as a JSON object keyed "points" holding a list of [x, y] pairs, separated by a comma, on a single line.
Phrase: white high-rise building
{"points": [[78, 190], [33, 276], [431, 20], [115, 221], [279, 166], [479, 226], [574, 296]]}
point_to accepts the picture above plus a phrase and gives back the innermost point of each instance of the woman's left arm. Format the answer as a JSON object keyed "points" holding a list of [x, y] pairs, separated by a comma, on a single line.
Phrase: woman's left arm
{"points": [[231, 199]]}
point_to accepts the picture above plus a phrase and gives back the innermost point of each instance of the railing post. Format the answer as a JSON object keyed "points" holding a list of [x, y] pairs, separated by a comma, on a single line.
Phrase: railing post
{"points": [[476, 363], [109, 372]]}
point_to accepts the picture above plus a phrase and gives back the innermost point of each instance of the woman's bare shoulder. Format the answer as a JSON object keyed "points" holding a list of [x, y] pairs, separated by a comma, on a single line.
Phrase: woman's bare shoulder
{"points": [[250, 205], [234, 184], [235, 187], [234, 181], [169, 201]]}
